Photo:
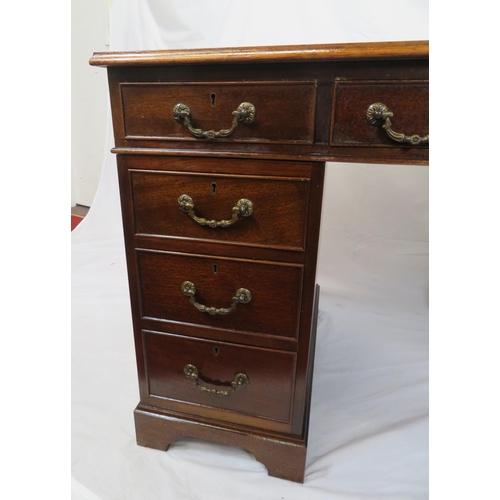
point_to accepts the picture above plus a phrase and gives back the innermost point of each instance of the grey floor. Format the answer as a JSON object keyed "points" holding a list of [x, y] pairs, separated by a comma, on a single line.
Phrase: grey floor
{"points": [[79, 210]]}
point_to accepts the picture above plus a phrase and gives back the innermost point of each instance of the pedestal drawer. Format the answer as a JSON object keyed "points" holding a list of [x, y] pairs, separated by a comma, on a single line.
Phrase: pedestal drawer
{"points": [[213, 282], [236, 209], [253, 381]]}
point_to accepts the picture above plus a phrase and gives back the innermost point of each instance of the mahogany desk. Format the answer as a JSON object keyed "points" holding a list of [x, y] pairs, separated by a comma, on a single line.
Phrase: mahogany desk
{"points": [[221, 158]]}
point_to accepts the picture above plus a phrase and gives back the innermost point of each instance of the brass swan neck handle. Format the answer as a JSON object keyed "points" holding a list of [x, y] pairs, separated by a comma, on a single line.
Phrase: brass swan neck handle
{"points": [[245, 113], [242, 296], [243, 207], [240, 380], [378, 115]]}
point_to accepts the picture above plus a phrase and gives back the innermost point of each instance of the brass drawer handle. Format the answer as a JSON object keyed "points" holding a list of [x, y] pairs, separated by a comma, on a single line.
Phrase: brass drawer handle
{"points": [[240, 380], [245, 113], [379, 115], [243, 207], [242, 296]]}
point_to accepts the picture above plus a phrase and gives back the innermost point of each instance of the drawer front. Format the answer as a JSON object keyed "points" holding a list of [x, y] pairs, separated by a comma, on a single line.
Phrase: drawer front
{"points": [[148, 110], [408, 101], [276, 216], [265, 388], [273, 288]]}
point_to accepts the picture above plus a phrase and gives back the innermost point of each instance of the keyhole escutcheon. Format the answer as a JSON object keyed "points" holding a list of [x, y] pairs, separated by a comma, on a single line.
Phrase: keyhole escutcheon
{"points": [[212, 98]]}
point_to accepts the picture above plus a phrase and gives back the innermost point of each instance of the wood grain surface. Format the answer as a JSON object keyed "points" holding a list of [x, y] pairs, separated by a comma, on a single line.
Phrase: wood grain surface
{"points": [[273, 54]]}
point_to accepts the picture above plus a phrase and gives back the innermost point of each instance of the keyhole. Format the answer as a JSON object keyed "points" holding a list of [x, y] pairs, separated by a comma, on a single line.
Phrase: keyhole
{"points": [[214, 268], [216, 351], [214, 187], [212, 98]]}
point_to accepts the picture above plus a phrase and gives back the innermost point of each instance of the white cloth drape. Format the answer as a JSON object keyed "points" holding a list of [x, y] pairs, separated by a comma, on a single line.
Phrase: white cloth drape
{"points": [[369, 419]]}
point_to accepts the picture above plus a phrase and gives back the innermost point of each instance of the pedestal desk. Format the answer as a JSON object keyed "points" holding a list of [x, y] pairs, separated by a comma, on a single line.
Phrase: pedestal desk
{"points": [[221, 156]]}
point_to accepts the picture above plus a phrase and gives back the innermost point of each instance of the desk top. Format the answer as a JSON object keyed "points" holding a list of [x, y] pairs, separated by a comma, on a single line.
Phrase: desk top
{"points": [[284, 53]]}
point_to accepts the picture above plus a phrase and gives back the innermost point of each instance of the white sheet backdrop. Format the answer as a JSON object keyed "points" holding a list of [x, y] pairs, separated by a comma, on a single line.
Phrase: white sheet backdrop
{"points": [[369, 418]]}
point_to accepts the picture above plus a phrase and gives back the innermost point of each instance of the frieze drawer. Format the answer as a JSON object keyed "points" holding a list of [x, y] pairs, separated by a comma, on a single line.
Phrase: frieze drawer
{"points": [[235, 111], [381, 114]]}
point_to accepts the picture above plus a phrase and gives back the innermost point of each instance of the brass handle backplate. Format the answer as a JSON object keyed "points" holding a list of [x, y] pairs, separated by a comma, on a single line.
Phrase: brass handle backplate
{"points": [[245, 113], [242, 296], [378, 115], [243, 207], [240, 380]]}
